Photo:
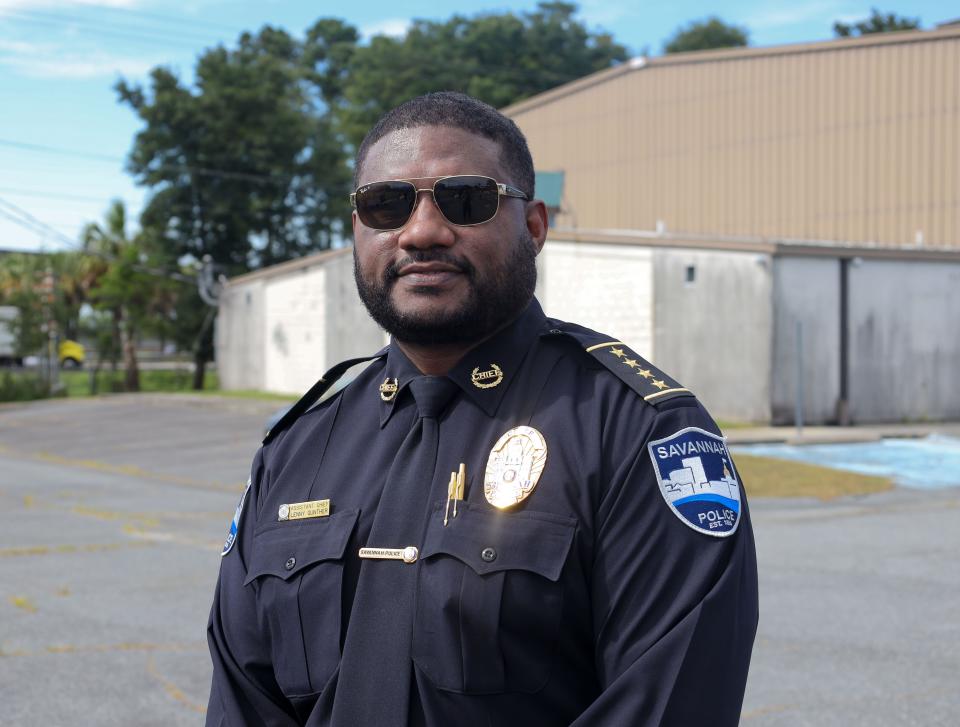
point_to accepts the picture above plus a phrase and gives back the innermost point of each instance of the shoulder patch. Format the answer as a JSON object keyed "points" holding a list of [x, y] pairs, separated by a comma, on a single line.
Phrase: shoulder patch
{"points": [[698, 481], [235, 525]]}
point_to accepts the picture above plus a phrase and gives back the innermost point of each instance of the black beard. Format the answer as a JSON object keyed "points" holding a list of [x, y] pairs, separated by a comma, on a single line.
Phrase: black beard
{"points": [[494, 300]]}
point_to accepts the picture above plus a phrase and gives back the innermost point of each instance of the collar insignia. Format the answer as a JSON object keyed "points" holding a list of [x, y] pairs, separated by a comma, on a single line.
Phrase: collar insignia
{"points": [[388, 389], [487, 379]]}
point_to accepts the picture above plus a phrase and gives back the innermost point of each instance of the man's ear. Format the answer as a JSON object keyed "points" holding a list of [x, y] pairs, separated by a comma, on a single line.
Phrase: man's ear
{"points": [[536, 215]]}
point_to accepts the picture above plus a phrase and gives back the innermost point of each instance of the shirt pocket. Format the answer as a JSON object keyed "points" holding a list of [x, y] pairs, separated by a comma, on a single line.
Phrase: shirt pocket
{"points": [[297, 571], [489, 599]]}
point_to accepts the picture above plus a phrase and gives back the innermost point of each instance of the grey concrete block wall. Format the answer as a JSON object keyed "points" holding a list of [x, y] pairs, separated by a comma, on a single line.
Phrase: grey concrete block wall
{"points": [[904, 341], [806, 291], [713, 333]]}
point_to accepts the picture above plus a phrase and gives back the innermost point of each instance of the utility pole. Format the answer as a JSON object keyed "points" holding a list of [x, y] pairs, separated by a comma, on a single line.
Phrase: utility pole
{"points": [[48, 288]]}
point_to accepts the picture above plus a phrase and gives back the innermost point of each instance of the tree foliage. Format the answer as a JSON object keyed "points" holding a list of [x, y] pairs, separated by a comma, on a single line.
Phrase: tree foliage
{"points": [[877, 23], [250, 163], [243, 165], [498, 58], [706, 34], [136, 299]]}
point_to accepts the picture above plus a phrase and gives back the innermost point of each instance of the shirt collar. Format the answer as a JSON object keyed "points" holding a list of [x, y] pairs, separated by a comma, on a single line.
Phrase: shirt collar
{"points": [[483, 374]]}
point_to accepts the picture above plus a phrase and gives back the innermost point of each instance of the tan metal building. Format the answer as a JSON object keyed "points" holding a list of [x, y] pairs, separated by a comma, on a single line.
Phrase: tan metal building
{"points": [[854, 140], [770, 226]]}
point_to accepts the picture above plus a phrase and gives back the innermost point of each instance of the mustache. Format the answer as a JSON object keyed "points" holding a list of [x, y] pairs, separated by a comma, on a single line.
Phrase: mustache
{"points": [[429, 256]]}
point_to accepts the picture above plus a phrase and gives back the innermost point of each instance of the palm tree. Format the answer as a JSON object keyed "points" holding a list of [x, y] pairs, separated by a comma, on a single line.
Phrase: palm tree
{"points": [[112, 254]]}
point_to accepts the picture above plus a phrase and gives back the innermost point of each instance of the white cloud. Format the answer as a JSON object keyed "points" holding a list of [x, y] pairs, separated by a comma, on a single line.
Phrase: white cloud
{"points": [[782, 15], [47, 60], [10, 5], [602, 13], [393, 27]]}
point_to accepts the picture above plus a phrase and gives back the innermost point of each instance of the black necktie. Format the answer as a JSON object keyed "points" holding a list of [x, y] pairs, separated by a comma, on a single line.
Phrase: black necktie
{"points": [[373, 688]]}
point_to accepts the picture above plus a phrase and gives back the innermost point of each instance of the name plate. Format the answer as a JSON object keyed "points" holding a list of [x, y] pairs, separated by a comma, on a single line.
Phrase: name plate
{"points": [[303, 510]]}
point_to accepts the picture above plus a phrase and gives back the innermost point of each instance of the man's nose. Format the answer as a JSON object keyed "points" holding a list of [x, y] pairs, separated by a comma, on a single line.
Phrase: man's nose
{"points": [[427, 227]]}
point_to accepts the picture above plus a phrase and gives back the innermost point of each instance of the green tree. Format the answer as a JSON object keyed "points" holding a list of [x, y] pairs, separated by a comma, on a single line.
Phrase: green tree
{"points": [[877, 23], [706, 34], [21, 278], [499, 58], [134, 297], [45, 288], [244, 164]]}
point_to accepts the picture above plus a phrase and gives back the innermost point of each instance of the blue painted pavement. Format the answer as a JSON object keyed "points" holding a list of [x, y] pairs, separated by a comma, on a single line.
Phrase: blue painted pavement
{"points": [[931, 462]]}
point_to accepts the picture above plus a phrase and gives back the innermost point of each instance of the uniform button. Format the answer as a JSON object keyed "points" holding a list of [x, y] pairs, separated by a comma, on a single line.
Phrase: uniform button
{"points": [[291, 562], [488, 555]]}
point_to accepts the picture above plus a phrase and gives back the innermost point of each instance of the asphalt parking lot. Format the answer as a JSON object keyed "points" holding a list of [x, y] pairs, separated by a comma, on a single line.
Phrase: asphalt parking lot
{"points": [[113, 512]]}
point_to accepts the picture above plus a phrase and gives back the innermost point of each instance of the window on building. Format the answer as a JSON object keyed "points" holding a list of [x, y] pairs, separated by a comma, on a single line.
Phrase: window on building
{"points": [[691, 274]]}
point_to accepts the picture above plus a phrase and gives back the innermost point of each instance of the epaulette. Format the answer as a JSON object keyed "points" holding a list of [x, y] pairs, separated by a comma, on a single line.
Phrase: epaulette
{"points": [[316, 391], [627, 365]]}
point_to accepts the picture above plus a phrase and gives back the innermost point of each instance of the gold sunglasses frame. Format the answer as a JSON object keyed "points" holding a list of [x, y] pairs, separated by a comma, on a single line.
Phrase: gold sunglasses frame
{"points": [[503, 190]]}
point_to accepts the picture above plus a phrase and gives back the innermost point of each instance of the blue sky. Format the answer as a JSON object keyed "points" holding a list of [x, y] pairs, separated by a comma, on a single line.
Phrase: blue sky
{"points": [[63, 136]]}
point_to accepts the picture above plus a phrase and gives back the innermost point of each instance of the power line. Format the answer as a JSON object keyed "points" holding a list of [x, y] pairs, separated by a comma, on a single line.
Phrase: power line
{"points": [[23, 218], [125, 24], [59, 150], [120, 33], [200, 171], [170, 19], [51, 195]]}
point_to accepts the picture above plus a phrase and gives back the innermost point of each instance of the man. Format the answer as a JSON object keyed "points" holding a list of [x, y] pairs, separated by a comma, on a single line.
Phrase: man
{"points": [[504, 519]]}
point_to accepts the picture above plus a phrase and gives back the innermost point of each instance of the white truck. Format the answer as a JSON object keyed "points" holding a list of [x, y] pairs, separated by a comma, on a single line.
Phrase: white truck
{"points": [[8, 344]]}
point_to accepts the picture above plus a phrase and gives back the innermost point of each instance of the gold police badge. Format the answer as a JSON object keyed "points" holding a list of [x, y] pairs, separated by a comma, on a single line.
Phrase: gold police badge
{"points": [[514, 466]]}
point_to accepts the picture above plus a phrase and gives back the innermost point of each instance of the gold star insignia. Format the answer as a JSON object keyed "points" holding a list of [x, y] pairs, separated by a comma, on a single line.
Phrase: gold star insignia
{"points": [[659, 384], [631, 363], [645, 373], [618, 352]]}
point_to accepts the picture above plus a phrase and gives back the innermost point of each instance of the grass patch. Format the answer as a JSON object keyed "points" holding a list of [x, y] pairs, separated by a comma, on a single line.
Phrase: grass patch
{"points": [[769, 477], [251, 394], [77, 383]]}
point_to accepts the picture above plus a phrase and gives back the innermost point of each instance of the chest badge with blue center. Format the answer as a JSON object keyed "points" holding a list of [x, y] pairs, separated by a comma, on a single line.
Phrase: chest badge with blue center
{"points": [[514, 466], [697, 479]]}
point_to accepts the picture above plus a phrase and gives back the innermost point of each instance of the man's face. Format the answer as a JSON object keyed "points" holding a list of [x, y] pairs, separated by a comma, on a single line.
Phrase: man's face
{"points": [[433, 282]]}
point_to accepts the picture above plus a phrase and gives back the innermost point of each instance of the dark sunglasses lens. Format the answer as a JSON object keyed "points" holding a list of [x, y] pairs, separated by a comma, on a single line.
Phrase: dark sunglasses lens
{"points": [[467, 200], [385, 205]]}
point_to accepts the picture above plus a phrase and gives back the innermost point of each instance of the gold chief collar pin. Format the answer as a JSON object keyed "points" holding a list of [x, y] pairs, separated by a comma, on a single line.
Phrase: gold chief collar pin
{"points": [[388, 389], [487, 379], [514, 466]]}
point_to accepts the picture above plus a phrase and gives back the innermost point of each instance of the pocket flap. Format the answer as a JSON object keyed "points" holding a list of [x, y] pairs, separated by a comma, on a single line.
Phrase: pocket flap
{"points": [[284, 549], [490, 541]]}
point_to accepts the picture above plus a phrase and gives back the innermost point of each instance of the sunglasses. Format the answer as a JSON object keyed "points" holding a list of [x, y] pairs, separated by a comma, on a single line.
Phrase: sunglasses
{"points": [[464, 200]]}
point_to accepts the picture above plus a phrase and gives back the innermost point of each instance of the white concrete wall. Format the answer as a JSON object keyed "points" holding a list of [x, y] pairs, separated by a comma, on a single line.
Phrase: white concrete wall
{"points": [[604, 287], [295, 330], [351, 331], [239, 345], [713, 335], [282, 330], [806, 290], [904, 341]]}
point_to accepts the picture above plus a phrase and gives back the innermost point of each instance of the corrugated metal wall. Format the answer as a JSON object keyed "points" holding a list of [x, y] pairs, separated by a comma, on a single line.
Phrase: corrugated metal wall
{"points": [[853, 140]]}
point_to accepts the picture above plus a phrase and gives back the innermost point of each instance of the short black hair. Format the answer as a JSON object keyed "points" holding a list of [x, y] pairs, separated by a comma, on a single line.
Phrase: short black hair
{"points": [[459, 111]]}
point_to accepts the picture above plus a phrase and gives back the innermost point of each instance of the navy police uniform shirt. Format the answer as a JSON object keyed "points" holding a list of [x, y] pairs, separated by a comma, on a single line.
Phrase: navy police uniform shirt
{"points": [[622, 590]]}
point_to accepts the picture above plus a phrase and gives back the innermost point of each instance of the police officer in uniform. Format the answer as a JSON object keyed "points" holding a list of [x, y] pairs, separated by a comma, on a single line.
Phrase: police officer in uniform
{"points": [[504, 519]]}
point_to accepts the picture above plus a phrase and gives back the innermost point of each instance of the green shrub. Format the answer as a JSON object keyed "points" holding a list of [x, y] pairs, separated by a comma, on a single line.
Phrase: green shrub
{"points": [[22, 387]]}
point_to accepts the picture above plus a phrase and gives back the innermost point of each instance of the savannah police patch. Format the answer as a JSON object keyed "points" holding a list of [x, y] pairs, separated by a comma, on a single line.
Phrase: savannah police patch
{"points": [[235, 525], [697, 480]]}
